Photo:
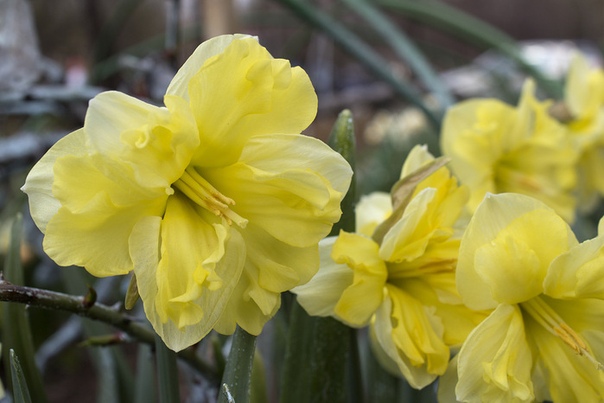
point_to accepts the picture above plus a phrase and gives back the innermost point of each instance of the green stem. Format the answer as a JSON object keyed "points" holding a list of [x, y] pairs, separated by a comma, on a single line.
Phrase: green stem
{"points": [[238, 372], [167, 372], [63, 302]]}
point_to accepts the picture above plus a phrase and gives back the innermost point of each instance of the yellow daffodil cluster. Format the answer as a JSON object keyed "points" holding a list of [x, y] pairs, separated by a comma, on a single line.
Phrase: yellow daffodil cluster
{"points": [[215, 201], [398, 272], [218, 204]]}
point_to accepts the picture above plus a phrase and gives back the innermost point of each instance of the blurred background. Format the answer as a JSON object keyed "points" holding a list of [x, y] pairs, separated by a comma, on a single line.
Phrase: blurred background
{"points": [[396, 64]]}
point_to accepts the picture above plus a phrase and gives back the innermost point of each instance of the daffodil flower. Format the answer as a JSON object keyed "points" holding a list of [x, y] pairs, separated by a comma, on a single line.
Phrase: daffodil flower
{"points": [[496, 148], [584, 98], [544, 339], [397, 273], [215, 201]]}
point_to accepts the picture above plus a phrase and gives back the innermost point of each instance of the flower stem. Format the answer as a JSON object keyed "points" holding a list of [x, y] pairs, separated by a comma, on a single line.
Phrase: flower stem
{"points": [[78, 305], [238, 372]]}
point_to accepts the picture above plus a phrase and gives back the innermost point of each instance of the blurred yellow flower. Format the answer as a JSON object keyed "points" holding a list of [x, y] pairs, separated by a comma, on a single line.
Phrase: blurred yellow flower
{"points": [[215, 201], [496, 148], [544, 339], [584, 98], [397, 272]]}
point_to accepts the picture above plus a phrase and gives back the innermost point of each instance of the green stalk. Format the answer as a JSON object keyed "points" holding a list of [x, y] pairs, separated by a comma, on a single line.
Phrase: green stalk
{"points": [[451, 20], [235, 385], [16, 332], [352, 44], [321, 359], [167, 373], [404, 48], [20, 390]]}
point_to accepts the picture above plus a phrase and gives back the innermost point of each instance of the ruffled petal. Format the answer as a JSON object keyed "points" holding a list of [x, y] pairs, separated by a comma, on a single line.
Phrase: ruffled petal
{"points": [[502, 222], [156, 142], [186, 271], [578, 273], [410, 336], [179, 85], [360, 300], [244, 92], [289, 185], [371, 211], [100, 204], [321, 294], [494, 364], [38, 185]]}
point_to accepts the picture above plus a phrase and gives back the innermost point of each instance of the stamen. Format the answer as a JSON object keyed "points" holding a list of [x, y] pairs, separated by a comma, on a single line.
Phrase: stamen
{"points": [[202, 193], [553, 323]]}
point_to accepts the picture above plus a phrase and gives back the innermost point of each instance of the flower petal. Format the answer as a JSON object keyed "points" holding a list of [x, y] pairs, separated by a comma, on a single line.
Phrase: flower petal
{"points": [[244, 92], [179, 85], [321, 294], [569, 376], [502, 222], [371, 211], [495, 362], [361, 299], [578, 273], [100, 204], [411, 337], [156, 142], [38, 185], [289, 185], [186, 287]]}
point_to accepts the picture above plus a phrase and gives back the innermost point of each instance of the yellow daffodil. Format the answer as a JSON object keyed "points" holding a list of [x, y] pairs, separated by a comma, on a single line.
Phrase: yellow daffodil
{"points": [[397, 273], [584, 98], [215, 201], [496, 148], [544, 339]]}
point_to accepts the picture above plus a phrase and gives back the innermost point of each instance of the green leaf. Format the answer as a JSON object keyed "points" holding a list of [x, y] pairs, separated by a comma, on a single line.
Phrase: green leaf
{"points": [[18, 336], [167, 373], [145, 376], [236, 380], [354, 45], [404, 48], [453, 21], [20, 390]]}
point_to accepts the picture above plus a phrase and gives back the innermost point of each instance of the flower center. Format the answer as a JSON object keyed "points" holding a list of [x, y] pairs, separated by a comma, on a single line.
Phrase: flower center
{"points": [[202, 193], [553, 323]]}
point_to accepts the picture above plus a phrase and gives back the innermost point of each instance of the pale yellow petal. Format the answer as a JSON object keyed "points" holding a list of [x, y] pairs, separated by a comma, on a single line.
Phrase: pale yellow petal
{"points": [[501, 221], [185, 288], [180, 83], [360, 300], [372, 210], [101, 203], [576, 90], [38, 184], [411, 335], [250, 306], [447, 383], [290, 186], [494, 364], [578, 273], [244, 92], [569, 376], [321, 294], [416, 159], [156, 142]]}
